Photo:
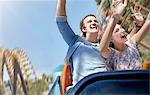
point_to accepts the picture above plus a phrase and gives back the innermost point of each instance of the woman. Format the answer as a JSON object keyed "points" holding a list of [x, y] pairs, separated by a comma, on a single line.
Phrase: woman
{"points": [[126, 55]]}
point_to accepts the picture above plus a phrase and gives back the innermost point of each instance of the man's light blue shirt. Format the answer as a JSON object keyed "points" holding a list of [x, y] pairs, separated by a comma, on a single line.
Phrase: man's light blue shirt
{"points": [[84, 56]]}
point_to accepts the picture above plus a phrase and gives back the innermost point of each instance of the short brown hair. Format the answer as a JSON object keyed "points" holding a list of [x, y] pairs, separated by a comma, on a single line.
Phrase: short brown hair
{"points": [[82, 23]]}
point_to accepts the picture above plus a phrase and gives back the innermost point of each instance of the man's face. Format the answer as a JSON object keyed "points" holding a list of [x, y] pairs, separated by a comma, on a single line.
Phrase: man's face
{"points": [[91, 25]]}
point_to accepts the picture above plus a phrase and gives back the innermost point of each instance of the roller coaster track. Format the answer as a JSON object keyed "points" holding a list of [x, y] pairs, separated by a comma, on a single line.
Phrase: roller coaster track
{"points": [[20, 71]]}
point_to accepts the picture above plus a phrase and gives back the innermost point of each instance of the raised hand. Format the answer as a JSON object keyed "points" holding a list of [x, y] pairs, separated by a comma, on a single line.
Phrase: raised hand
{"points": [[118, 8], [137, 16]]}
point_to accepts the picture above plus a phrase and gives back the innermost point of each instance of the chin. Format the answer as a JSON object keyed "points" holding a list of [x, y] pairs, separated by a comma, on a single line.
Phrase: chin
{"points": [[125, 39], [95, 31]]}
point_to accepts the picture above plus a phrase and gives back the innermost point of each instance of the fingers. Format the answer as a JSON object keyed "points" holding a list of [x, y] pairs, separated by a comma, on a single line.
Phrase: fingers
{"points": [[148, 17], [132, 9], [125, 2], [137, 8]]}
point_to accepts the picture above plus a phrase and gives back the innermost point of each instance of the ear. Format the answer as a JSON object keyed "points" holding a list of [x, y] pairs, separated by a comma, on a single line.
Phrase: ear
{"points": [[84, 29]]}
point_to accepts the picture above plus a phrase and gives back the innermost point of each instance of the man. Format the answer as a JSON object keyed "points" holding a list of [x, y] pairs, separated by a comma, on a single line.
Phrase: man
{"points": [[83, 53]]}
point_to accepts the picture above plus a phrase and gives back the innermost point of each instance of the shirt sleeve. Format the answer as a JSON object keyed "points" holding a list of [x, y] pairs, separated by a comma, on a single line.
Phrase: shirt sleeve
{"points": [[65, 30]]}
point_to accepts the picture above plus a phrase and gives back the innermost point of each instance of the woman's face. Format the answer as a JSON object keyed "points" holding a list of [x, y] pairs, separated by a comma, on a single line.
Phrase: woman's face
{"points": [[119, 36]]}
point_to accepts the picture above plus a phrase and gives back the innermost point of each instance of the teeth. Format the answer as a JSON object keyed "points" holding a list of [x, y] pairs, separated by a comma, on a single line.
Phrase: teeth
{"points": [[92, 27], [123, 35]]}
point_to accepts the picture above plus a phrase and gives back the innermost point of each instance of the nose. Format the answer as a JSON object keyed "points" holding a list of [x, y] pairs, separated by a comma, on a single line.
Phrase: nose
{"points": [[94, 24], [122, 30]]}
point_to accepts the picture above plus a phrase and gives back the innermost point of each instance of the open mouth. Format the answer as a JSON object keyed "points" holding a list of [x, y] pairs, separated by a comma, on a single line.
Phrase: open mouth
{"points": [[123, 35], [93, 27]]}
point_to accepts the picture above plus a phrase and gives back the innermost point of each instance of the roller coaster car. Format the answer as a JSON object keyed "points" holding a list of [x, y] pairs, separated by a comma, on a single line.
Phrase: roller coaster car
{"points": [[130, 82], [135, 82]]}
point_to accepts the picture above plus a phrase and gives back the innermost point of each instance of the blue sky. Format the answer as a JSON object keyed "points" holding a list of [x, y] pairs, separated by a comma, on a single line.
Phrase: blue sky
{"points": [[30, 25]]}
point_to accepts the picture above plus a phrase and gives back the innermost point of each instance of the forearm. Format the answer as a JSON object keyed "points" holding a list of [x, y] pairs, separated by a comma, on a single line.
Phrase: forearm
{"points": [[61, 8], [142, 32], [134, 31], [145, 45], [104, 44]]}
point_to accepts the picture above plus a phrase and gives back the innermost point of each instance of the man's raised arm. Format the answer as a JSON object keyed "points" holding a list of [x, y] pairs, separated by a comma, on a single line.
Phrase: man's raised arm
{"points": [[61, 8], [63, 26]]}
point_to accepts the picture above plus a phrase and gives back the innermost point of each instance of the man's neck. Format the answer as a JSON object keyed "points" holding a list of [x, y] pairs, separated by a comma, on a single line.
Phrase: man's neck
{"points": [[91, 37]]}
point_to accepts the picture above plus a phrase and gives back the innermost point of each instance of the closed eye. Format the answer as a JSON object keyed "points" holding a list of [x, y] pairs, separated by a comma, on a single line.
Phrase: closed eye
{"points": [[96, 21], [89, 21], [117, 30]]}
